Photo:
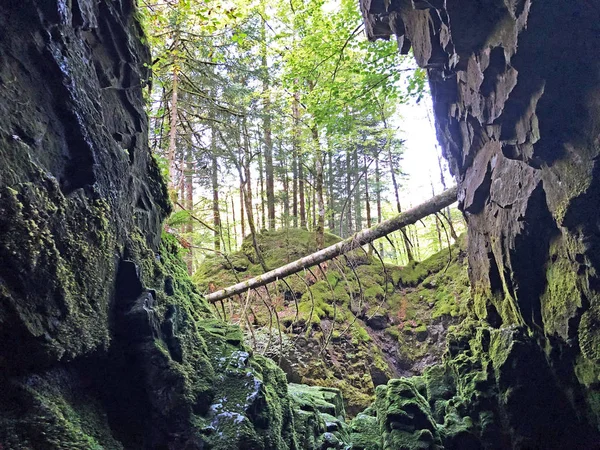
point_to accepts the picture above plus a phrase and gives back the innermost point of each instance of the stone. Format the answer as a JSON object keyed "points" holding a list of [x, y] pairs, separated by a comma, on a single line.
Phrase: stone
{"points": [[378, 322], [519, 126]]}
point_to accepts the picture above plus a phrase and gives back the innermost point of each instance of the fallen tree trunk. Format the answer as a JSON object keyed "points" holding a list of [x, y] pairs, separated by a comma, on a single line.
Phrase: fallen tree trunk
{"points": [[359, 239]]}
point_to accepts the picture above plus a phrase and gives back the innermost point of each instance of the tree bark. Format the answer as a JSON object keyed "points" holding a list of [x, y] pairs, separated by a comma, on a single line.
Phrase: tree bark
{"points": [[448, 215], [247, 187], [242, 219], [215, 201], [301, 191], [286, 193], [349, 229], [320, 228], [234, 223], [266, 118], [437, 220], [330, 199], [367, 203], [361, 238], [189, 204], [357, 200], [378, 194], [173, 121], [295, 157]]}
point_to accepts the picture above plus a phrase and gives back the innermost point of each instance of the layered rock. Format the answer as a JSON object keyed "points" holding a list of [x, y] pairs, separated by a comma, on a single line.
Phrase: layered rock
{"points": [[104, 341], [516, 99]]}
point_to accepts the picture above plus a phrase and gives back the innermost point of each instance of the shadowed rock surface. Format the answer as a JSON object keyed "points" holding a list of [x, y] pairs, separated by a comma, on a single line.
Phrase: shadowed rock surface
{"points": [[516, 100], [104, 341]]}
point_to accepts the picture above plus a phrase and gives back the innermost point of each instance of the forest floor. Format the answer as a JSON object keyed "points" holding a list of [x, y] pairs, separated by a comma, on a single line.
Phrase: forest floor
{"points": [[352, 324]]}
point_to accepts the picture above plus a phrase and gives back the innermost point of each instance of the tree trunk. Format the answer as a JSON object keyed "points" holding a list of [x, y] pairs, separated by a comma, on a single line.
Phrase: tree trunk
{"points": [[242, 218], [235, 235], [215, 201], [448, 215], [260, 186], [247, 187], [266, 119], [367, 204], [301, 191], [407, 246], [359, 239], [286, 194], [295, 157], [330, 199], [171, 154], [227, 225], [357, 200], [437, 221], [189, 205], [378, 195], [320, 228], [349, 229]]}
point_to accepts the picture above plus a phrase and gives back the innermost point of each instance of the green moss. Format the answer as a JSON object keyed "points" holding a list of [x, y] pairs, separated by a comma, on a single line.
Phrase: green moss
{"points": [[404, 417], [359, 334], [365, 433], [393, 332], [60, 414], [589, 334], [562, 296], [46, 235]]}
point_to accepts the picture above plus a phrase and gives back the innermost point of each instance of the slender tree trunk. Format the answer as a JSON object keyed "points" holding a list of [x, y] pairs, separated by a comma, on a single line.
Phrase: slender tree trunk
{"points": [[227, 225], [367, 203], [182, 180], [247, 187], [215, 201], [260, 186], [297, 186], [313, 214], [378, 196], [409, 253], [437, 221], [266, 118], [269, 156], [320, 225], [242, 218], [189, 205], [331, 201], [416, 241], [171, 154], [286, 194], [448, 215], [349, 229], [301, 192], [357, 197], [235, 235]]}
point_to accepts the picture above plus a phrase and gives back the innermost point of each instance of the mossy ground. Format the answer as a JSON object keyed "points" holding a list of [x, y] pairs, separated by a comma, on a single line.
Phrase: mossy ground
{"points": [[357, 322]]}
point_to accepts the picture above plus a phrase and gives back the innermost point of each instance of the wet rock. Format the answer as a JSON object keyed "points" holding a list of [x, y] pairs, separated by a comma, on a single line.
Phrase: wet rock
{"points": [[519, 127], [378, 321]]}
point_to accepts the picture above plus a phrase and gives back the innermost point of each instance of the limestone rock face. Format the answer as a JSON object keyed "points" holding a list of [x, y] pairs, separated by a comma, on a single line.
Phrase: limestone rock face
{"points": [[516, 98], [104, 340], [77, 175]]}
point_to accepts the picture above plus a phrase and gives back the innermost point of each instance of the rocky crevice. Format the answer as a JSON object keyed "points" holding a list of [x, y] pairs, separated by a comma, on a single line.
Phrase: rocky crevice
{"points": [[515, 93], [104, 341]]}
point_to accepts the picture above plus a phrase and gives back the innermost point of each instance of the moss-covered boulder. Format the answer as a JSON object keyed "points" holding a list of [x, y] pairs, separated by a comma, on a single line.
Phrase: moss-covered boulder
{"points": [[495, 390]]}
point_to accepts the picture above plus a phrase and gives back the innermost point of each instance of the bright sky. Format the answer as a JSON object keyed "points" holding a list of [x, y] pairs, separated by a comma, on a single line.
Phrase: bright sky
{"points": [[421, 152]]}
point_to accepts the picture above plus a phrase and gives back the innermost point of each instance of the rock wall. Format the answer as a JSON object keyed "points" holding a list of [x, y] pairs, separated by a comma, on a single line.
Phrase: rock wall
{"points": [[104, 341], [516, 93]]}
